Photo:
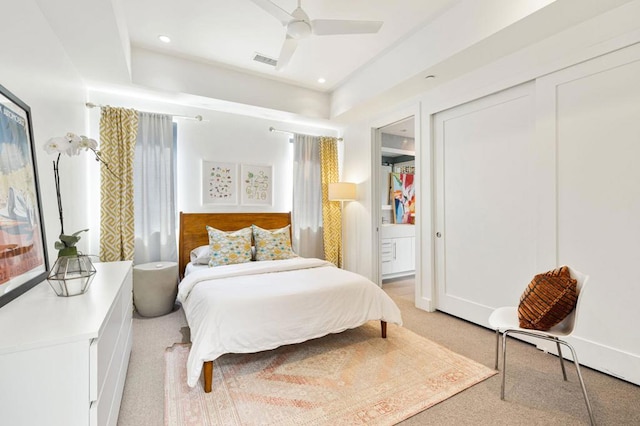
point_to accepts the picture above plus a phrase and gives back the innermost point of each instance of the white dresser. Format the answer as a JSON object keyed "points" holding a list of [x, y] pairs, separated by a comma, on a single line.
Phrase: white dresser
{"points": [[63, 360]]}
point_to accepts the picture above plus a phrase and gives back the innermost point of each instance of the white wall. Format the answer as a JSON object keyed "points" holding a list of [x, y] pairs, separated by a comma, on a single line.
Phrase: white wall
{"points": [[357, 214], [234, 139], [221, 136], [36, 69]]}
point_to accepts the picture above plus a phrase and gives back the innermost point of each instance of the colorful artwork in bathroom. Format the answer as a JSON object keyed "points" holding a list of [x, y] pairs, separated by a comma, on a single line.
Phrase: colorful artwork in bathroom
{"points": [[403, 194]]}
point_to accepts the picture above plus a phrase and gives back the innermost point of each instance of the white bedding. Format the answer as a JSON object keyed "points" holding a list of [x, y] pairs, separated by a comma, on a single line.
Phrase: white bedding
{"points": [[256, 306], [194, 267]]}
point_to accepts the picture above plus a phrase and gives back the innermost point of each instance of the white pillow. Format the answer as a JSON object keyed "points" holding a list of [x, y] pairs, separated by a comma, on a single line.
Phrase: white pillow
{"points": [[200, 255]]}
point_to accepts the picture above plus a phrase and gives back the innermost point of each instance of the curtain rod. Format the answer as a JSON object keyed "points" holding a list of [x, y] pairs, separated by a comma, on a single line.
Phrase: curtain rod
{"points": [[197, 117], [273, 129]]}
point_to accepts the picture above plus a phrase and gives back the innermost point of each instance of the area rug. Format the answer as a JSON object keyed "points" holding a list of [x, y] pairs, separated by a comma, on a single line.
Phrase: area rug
{"points": [[354, 377]]}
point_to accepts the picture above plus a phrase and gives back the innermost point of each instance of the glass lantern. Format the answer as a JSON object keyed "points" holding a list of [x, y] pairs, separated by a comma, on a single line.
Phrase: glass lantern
{"points": [[71, 275]]}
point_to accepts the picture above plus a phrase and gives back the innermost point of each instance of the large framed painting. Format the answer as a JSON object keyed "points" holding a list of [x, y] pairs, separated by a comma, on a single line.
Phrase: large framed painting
{"points": [[219, 184], [256, 185], [403, 195], [23, 253]]}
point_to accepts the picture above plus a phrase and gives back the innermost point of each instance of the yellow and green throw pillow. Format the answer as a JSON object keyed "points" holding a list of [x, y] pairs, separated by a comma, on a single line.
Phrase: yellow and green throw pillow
{"points": [[228, 248], [274, 244]]}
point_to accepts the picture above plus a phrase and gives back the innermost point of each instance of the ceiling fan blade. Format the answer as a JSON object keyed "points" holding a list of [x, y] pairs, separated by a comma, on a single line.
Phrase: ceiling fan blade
{"points": [[337, 26], [288, 47], [274, 10]]}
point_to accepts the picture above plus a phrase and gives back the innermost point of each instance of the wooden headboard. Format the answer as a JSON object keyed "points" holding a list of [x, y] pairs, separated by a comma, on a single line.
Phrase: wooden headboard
{"points": [[193, 231]]}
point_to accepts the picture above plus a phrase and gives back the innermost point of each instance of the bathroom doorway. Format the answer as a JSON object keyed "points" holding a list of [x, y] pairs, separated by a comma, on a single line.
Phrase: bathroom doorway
{"points": [[396, 198]]}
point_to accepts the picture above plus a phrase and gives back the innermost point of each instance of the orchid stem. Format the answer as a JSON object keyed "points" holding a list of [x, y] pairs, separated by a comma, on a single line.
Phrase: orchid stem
{"points": [[101, 160], [56, 174]]}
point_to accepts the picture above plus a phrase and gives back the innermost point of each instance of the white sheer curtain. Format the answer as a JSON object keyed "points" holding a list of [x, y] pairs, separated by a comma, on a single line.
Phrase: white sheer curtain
{"points": [[307, 197], [154, 180]]}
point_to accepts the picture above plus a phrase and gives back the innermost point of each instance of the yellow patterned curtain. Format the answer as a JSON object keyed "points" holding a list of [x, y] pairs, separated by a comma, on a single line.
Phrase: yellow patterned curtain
{"points": [[118, 132], [331, 214]]}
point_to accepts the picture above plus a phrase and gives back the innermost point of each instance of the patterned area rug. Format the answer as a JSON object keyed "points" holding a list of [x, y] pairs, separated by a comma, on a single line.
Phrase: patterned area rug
{"points": [[354, 377]]}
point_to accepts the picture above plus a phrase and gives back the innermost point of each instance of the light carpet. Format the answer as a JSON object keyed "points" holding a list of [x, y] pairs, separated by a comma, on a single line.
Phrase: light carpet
{"points": [[354, 377]]}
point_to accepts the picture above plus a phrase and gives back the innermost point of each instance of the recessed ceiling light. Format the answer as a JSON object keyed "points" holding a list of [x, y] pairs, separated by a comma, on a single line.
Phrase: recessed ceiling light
{"points": [[164, 39], [321, 80]]}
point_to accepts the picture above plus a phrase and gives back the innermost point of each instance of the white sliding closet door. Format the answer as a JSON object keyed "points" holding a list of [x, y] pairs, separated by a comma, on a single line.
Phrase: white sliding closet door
{"points": [[591, 116], [485, 203], [527, 182]]}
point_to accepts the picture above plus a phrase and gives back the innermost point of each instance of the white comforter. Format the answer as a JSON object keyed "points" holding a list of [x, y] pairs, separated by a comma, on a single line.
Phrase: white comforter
{"points": [[257, 306]]}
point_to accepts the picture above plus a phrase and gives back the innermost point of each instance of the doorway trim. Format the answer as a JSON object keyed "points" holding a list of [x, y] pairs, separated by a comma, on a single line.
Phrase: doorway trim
{"points": [[413, 110]]}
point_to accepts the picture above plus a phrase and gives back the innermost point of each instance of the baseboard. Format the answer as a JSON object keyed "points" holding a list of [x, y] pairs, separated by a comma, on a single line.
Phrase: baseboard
{"points": [[611, 361], [425, 304]]}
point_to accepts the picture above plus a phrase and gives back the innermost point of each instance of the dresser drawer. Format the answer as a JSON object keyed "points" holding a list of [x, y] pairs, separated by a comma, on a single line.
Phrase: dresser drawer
{"points": [[127, 296], [386, 251], [386, 266], [104, 411], [102, 349]]}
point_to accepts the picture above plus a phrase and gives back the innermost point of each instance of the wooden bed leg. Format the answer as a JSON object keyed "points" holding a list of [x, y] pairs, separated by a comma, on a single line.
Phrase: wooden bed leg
{"points": [[383, 325], [208, 375]]}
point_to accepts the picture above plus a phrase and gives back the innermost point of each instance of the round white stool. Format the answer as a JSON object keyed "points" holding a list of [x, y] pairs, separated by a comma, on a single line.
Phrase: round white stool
{"points": [[155, 286]]}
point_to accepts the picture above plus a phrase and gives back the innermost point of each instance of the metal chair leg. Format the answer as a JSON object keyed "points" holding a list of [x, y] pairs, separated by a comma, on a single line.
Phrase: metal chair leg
{"points": [[504, 363], [584, 389], [505, 334], [564, 372], [497, 347]]}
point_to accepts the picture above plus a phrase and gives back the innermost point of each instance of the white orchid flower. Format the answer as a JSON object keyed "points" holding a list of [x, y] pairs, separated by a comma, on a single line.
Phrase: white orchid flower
{"points": [[73, 144], [88, 143], [56, 145], [70, 144]]}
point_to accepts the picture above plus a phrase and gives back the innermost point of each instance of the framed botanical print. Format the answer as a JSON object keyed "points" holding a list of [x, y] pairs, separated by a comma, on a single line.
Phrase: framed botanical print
{"points": [[219, 183], [256, 185]]}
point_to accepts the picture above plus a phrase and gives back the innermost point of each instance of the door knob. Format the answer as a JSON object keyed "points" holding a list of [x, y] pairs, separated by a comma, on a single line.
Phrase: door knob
{"points": [[438, 234]]}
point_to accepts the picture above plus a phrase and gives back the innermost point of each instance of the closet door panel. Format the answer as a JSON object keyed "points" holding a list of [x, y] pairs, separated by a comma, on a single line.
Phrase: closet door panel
{"points": [[598, 192], [486, 252]]}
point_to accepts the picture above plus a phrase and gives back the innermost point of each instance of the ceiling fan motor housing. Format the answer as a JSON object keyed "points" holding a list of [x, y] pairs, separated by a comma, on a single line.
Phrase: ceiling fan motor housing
{"points": [[299, 29]]}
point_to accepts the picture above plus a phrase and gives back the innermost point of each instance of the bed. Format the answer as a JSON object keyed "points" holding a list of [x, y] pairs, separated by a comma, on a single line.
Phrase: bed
{"points": [[260, 305]]}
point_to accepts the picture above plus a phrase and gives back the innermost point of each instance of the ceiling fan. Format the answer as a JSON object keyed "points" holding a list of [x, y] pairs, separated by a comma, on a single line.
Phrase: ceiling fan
{"points": [[299, 26]]}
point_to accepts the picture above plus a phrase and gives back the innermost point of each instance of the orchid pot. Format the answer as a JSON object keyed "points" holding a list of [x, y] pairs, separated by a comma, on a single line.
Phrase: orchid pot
{"points": [[71, 275]]}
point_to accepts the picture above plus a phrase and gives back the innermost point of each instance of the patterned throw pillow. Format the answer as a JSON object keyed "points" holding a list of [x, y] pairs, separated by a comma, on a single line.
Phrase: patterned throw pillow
{"points": [[273, 245], [548, 299], [228, 248]]}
